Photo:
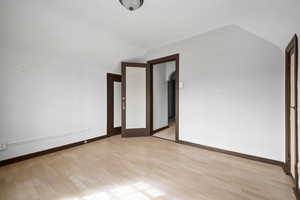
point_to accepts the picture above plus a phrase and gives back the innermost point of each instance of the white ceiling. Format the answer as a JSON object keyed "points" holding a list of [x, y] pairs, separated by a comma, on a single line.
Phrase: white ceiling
{"points": [[160, 22]]}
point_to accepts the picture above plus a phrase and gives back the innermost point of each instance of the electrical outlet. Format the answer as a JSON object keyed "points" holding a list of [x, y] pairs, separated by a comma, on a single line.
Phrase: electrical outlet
{"points": [[3, 147]]}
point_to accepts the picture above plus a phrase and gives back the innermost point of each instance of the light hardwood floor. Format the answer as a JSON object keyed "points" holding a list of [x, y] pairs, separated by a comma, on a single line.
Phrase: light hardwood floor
{"points": [[168, 133], [145, 168]]}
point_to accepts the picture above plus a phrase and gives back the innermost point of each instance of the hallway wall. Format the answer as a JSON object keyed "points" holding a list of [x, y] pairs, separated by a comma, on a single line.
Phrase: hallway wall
{"points": [[161, 74], [160, 96]]}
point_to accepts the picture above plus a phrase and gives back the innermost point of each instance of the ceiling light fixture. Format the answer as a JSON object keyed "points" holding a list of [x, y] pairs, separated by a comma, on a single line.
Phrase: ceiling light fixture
{"points": [[132, 4]]}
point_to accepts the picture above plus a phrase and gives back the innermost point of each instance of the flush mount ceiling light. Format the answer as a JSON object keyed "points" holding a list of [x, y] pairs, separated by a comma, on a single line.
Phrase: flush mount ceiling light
{"points": [[132, 4]]}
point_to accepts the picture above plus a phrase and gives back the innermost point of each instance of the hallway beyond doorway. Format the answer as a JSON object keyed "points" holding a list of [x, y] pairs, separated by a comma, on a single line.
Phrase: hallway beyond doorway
{"points": [[168, 133]]}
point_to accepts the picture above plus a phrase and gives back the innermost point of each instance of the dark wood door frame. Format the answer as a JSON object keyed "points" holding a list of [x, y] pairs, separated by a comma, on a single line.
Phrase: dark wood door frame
{"points": [[175, 58], [292, 48], [137, 132], [111, 78]]}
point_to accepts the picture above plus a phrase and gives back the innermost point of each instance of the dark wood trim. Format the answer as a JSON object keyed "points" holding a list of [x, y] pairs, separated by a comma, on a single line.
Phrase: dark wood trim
{"points": [[160, 129], [52, 150], [132, 64], [164, 59], [292, 48], [123, 70], [115, 77], [135, 132], [177, 98], [175, 58], [232, 153], [139, 131], [116, 131], [111, 78], [287, 112], [149, 102], [297, 193]]}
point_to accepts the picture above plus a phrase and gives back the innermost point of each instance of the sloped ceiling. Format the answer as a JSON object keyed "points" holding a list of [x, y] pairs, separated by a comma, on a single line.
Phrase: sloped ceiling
{"points": [[161, 22]]}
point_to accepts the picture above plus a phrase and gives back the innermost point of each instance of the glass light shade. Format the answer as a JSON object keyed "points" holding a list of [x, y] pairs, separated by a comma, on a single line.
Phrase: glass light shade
{"points": [[132, 4]]}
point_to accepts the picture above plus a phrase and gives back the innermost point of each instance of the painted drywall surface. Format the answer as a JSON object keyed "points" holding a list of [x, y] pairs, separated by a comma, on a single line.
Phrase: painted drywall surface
{"points": [[53, 77], [274, 20], [233, 94], [160, 96], [170, 67]]}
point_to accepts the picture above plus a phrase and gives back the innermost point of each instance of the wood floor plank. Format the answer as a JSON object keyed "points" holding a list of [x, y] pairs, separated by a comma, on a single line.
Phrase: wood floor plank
{"points": [[144, 168]]}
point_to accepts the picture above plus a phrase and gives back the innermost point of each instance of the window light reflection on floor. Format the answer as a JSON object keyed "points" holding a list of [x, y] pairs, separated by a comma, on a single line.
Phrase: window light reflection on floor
{"points": [[136, 191], [98, 196]]}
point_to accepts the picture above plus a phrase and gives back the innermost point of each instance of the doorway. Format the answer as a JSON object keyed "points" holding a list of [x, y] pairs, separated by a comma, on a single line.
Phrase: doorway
{"points": [[172, 97], [113, 104], [164, 97], [291, 109]]}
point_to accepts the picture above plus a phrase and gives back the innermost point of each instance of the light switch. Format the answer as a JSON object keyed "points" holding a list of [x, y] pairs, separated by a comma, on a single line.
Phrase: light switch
{"points": [[180, 85]]}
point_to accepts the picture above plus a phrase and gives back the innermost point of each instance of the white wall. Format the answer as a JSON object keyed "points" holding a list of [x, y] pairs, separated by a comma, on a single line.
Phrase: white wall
{"points": [[233, 95], [160, 96], [170, 68], [53, 77]]}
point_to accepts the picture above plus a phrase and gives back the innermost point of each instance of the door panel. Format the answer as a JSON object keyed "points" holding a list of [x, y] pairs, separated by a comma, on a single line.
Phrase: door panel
{"points": [[117, 104], [134, 99], [293, 115], [293, 141], [113, 104]]}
